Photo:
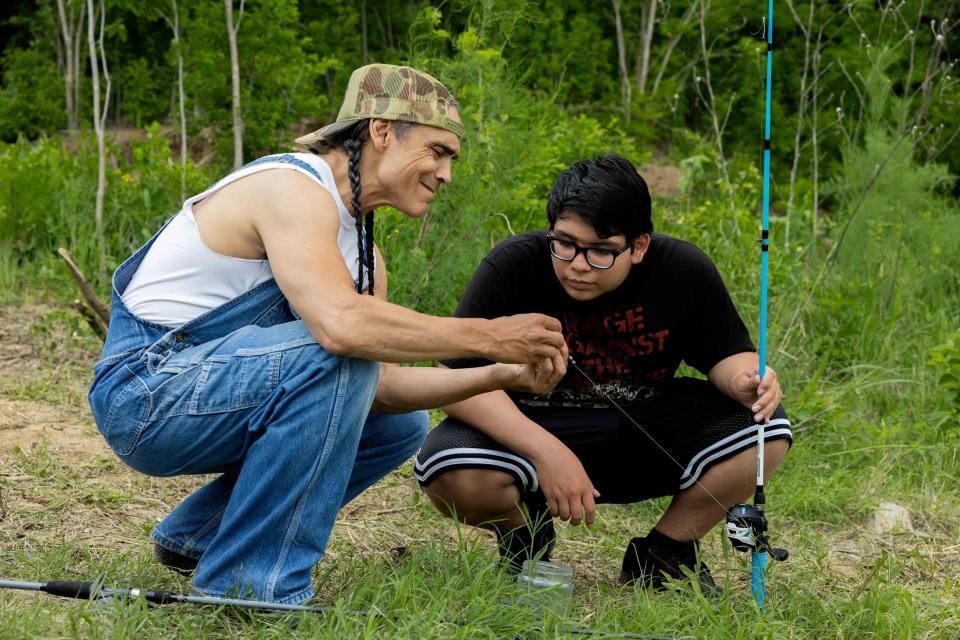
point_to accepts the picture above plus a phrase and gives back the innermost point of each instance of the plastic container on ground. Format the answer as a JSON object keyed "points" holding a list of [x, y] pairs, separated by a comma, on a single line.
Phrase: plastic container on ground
{"points": [[546, 585]]}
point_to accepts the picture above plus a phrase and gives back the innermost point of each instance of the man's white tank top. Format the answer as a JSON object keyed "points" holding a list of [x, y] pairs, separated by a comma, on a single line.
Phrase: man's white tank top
{"points": [[181, 278]]}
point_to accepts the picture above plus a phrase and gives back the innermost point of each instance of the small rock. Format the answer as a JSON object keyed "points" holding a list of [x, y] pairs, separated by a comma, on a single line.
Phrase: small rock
{"points": [[890, 517]]}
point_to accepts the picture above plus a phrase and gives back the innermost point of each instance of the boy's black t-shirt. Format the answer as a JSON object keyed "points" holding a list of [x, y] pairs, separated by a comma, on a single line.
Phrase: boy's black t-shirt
{"points": [[672, 307]]}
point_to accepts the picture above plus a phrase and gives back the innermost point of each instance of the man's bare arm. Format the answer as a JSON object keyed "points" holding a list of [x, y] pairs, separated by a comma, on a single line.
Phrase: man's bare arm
{"points": [[298, 225]]}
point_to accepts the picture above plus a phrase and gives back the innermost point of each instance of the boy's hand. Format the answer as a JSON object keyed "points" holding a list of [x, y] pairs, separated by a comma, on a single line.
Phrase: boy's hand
{"points": [[564, 482], [536, 377], [762, 397]]}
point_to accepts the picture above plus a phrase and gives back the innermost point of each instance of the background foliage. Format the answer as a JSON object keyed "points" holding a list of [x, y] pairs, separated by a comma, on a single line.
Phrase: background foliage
{"points": [[865, 306]]}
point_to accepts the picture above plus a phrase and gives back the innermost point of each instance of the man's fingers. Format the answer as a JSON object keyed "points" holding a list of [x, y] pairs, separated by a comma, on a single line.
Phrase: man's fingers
{"points": [[554, 506], [552, 324], [559, 368]]}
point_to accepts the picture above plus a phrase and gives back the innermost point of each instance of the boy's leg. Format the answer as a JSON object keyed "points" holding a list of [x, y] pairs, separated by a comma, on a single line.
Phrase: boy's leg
{"points": [[470, 477], [710, 465], [694, 512]]}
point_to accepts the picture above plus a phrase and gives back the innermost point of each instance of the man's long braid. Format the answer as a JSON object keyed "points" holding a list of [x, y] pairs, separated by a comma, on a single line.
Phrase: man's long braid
{"points": [[369, 239], [353, 147]]}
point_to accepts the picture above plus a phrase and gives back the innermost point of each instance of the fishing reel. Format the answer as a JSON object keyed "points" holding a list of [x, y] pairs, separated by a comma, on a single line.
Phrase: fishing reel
{"points": [[747, 530]]}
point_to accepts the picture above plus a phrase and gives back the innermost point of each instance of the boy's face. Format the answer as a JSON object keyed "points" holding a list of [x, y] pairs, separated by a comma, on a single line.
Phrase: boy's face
{"points": [[578, 278]]}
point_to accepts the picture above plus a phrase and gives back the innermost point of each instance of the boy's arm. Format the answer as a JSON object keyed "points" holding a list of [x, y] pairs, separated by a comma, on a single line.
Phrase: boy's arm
{"points": [[737, 376], [564, 483], [403, 389]]}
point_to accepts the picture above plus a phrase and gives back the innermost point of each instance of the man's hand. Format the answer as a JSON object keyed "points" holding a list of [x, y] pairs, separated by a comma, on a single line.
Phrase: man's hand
{"points": [[525, 338], [536, 377], [569, 492], [762, 397]]}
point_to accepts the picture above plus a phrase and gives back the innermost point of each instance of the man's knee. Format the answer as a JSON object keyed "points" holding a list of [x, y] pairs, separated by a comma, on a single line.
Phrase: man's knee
{"points": [[408, 431], [473, 495], [417, 425], [311, 364]]}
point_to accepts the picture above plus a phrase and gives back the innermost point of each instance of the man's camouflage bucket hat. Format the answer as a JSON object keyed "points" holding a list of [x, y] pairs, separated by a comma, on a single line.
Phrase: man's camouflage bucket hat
{"points": [[392, 93]]}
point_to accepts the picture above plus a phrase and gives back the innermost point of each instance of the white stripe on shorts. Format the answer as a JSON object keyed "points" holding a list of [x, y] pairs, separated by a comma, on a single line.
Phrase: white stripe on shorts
{"points": [[460, 455], [711, 453]]}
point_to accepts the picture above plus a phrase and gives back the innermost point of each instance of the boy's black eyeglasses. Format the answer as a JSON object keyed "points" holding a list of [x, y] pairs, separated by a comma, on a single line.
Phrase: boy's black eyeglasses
{"points": [[596, 257]]}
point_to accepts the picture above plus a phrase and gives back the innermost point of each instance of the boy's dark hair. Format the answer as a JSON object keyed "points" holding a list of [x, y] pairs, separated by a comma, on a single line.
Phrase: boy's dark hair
{"points": [[607, 192]]}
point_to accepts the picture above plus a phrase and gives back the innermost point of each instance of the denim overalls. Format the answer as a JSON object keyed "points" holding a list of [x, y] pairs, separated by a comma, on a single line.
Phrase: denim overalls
{"points": [[246, 391]]}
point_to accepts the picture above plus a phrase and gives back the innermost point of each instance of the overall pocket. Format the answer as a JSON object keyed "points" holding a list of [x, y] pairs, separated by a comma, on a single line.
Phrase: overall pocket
{"points": [[218, 384], [126, 417]]}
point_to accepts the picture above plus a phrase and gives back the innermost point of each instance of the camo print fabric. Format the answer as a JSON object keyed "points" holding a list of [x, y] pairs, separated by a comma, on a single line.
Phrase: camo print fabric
{"points": [[393, 93]]}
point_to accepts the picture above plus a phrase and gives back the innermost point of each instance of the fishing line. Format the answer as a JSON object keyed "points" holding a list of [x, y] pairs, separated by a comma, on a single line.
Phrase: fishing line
{"points": [[642, 430]]}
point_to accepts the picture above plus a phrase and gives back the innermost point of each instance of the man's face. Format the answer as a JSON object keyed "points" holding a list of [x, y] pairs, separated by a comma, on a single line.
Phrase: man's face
{"points": [[415, 165], [578, 278]]}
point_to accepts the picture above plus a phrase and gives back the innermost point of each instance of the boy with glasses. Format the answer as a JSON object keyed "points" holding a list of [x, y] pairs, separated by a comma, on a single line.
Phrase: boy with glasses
{"points": [[619, 427]]}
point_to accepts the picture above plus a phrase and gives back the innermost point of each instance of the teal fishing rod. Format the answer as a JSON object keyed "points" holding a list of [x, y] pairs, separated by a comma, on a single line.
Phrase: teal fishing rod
{"points": [[747, 524]]}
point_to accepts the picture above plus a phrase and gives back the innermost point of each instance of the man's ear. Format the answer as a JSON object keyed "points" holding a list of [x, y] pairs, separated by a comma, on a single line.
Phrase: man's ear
{"points": [[379, 132], [640, 246]]}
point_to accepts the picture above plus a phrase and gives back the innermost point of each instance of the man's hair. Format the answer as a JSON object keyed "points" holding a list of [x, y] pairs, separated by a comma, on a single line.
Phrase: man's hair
{"points": [[351, 140], [607, 192]]}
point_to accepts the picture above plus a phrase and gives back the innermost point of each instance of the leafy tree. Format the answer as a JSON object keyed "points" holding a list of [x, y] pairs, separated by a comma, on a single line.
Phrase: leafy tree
{"points": [[31, 96]]}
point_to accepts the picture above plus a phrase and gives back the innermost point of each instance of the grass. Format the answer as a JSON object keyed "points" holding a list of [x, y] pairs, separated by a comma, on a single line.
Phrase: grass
{"points": [[71, 511]]}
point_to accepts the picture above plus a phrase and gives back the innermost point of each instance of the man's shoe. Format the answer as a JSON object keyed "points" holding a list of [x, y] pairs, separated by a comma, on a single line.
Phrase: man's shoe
{"points": [[184, 565], [652, 565], [533, 540]]}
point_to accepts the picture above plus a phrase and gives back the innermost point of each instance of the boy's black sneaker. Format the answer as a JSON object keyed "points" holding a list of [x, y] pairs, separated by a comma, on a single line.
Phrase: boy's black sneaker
{"points": [[184, 565], [652, 565]]}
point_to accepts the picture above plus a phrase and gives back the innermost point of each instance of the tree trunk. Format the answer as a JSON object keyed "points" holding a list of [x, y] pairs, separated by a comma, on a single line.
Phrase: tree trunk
{"points": [[647, 24], [232, 29], [687, 17], [622, 62], [77, 59], [99, 118], [363, 24], [712, 104], [389, 13], [68, 27], [181, 100], [802, 105]]}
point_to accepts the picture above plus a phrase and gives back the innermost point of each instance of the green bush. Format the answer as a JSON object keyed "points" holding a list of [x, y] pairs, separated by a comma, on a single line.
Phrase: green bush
{"points": [[47, 197]]}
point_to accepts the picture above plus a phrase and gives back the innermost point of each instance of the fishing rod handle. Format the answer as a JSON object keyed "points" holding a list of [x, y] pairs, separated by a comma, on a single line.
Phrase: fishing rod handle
{"points": [[69, 589], [84, 591]]}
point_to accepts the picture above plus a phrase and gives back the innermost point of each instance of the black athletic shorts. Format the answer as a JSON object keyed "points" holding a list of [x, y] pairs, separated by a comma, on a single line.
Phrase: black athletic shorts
{"points": [[696, 425]]}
